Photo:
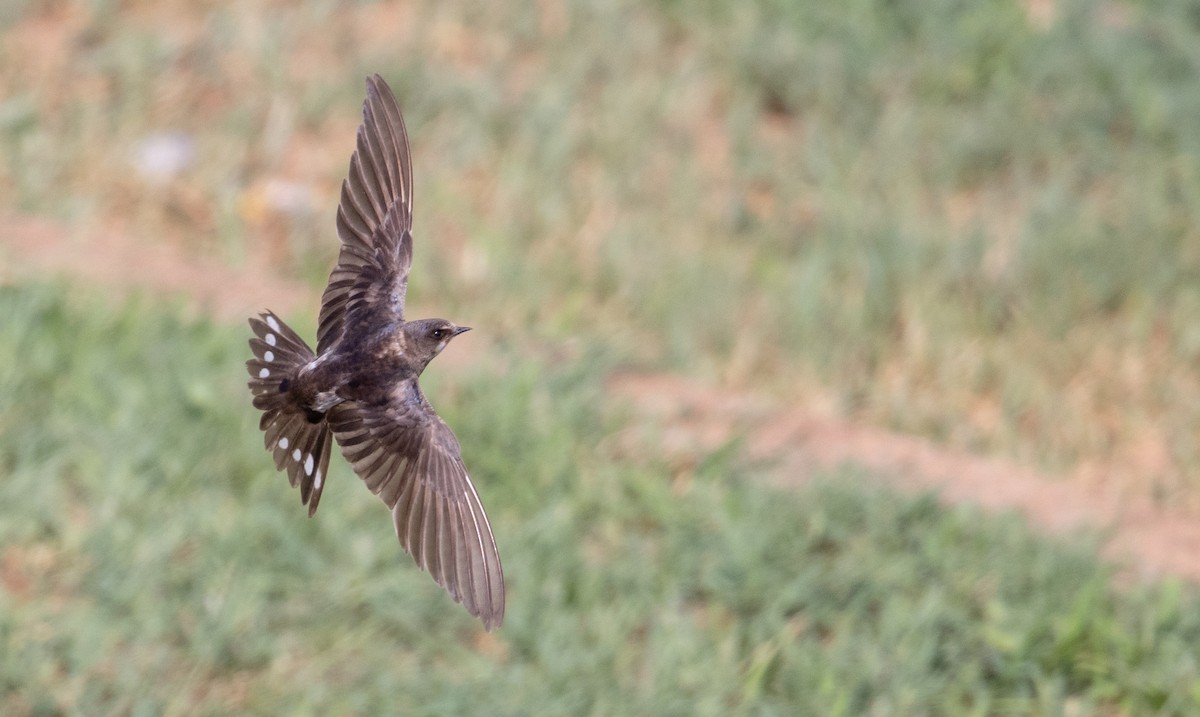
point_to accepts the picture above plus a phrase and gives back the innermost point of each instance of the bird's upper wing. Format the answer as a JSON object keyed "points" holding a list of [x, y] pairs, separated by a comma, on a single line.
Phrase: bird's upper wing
{"points": [[410, 458], [374, 222]]}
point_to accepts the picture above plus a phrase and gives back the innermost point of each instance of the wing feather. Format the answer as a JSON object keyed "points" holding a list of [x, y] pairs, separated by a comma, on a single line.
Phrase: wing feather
{"points": [[410, 458], [374, 221]]}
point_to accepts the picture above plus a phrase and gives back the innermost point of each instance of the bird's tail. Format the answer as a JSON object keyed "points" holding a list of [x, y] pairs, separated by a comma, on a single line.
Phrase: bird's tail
{"points": [[299, 440]]}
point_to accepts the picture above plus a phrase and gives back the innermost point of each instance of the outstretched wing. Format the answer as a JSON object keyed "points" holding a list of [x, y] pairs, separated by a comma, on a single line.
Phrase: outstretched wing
{"points": [[410, 458], [374, 222]]}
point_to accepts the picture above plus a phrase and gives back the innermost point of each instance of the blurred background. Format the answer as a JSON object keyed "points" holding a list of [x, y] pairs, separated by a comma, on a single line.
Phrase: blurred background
{"points": [[743, 275]]}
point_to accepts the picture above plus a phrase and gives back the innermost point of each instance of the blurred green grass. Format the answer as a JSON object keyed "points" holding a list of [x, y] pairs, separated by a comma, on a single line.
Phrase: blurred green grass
{"points": [[154, 563]]}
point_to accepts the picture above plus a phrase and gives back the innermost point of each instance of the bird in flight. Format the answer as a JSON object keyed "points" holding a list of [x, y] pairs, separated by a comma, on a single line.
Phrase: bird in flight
{"points": [[360, 388]]}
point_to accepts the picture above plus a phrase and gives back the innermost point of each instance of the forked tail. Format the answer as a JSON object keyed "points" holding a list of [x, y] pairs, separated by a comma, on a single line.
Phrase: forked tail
{"points": [[300, 445]]}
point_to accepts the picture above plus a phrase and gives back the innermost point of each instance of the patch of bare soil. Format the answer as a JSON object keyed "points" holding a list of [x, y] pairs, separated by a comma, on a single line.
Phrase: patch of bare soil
{"points": [[794, 442], [115, 261], [1147, 539]]}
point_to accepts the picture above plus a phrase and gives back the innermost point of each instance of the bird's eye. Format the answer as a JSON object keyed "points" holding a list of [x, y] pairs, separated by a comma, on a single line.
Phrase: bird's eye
{"points": [[439, 333]]}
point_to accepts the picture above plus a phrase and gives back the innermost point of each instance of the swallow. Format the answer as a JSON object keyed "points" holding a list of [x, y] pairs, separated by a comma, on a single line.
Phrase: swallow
{"points": [[361, 389]]}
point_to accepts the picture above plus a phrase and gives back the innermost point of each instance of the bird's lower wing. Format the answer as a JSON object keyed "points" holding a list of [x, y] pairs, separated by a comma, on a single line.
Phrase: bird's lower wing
{"points": [[410, 458]]}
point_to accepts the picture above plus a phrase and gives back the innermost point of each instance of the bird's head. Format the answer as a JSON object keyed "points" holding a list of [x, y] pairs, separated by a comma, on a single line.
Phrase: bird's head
{"points": [[427, 337]]}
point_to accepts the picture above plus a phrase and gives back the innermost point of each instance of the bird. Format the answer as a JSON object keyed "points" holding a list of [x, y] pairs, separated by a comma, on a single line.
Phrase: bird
{"points": [[361, 389]]}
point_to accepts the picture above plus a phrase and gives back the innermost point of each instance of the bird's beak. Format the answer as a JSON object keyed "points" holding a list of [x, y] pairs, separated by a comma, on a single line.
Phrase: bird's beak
{"points": [[461, 330]]}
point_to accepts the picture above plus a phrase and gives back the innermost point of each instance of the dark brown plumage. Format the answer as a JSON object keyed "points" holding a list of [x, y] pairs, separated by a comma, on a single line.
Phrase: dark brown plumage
{"points": [[361, 386]]}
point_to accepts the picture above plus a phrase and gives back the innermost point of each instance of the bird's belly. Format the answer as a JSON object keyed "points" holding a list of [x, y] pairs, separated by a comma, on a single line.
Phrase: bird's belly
{"points": [[365, 370], [369, 383]]}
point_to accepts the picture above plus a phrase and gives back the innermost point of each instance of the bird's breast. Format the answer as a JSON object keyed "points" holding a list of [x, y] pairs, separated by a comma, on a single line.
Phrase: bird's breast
{"points": [[370, 375]]}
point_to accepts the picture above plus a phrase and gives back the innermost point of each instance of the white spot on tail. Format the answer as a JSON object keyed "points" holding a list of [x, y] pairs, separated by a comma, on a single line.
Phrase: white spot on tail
{"points": [[270, 339], [317, 480], [263, 372], [283, 443], [308, 465], [272, 322], [296, 455], [269, 356]]}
